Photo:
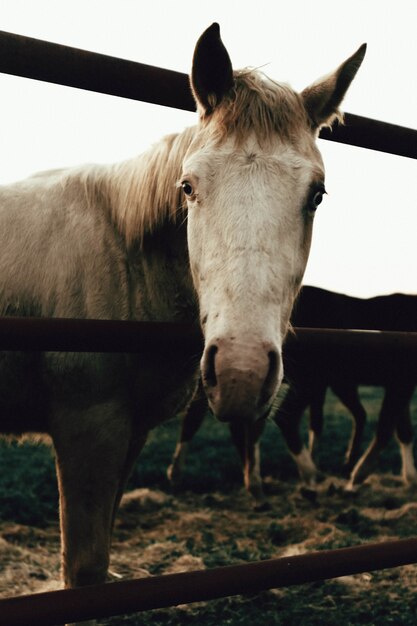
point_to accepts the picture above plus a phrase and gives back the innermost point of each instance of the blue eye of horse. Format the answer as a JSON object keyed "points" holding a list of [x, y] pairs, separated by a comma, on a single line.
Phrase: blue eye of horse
{"points": [[187, 188]]}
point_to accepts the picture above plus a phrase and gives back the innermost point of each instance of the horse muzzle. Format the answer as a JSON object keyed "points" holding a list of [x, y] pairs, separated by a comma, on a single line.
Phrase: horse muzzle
{"points": [[240, 381]]}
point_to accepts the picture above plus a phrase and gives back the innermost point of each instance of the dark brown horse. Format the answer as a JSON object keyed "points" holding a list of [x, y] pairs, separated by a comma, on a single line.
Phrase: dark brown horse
{"points": [[342, 371], [310, 375]]}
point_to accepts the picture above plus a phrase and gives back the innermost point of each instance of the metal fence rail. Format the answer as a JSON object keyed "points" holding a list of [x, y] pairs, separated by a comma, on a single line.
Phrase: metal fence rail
{"points": [[32, 58], [88, 335], [99, 601], [64, 65]]}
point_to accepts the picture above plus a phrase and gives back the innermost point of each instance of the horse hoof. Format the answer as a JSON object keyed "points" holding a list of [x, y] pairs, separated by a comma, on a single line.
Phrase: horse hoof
{"points": [[174, 476], [410, 478], [351, 488]]}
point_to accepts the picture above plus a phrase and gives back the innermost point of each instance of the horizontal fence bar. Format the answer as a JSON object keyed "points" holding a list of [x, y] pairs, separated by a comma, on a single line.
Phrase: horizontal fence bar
{"points": [[72, 67], [64, 65], [354, 339], [99, 601], [87, 335], [365, 132], [361, 357]]}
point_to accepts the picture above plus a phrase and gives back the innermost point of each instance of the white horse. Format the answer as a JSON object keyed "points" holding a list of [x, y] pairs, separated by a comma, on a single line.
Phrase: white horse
{"points": [[214, 222]]}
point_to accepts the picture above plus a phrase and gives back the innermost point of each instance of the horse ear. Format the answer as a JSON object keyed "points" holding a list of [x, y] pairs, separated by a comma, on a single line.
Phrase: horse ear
{"points": [[322, 99], [212, 73]]}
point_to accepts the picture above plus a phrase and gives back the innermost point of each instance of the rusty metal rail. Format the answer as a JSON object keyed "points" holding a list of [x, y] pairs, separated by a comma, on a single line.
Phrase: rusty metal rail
{"points": [[355, 340], [64, 65], [99, 601], [87, 335], [72, 67], [365, 132]]}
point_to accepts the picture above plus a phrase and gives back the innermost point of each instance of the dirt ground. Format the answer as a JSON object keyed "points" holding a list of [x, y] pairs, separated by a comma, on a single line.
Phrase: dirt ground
{"points": [[210, 522], [159, 532]]}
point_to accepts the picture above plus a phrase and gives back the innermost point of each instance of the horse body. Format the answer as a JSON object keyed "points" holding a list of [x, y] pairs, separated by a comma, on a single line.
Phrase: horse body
{"points": [[320, 308], [212, 224], [343, 371]]}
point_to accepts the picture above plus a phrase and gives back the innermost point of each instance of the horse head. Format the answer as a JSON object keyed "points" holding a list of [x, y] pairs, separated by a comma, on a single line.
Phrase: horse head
{"points": [[253, 179]]}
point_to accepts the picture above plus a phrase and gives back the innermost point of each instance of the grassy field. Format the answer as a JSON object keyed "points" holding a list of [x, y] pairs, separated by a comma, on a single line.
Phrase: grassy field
{"points": [[28, 491], [210, 522]]}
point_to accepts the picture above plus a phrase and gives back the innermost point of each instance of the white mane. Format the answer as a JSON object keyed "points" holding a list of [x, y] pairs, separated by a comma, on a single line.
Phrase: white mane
{"points": [[141, 193]]}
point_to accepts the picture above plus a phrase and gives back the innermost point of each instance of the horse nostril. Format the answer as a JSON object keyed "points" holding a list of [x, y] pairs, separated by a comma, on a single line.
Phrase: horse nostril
{"points": [[270, 382], [209, 367]]}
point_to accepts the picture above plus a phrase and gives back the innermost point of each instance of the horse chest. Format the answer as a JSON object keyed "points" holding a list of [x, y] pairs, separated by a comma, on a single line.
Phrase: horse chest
{"points": [[162, 385]]}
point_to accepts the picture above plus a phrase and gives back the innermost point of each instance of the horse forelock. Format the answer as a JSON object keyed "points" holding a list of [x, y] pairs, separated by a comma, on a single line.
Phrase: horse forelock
{"points": [[258, 104]]}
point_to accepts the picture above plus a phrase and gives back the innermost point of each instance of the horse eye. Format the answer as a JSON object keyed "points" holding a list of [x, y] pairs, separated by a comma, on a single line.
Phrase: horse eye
{"points": [[317, 198], [187, 188]]}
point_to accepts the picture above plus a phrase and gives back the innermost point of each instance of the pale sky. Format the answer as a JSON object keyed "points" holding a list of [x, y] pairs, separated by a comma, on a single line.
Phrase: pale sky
{"points": [[364, 242]]}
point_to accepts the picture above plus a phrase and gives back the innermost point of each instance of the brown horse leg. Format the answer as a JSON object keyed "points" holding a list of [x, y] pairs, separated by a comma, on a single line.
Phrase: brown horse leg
{"points": [[288, 418], [93, 449], [190, 424], [404, 432], [385, 429], [317, 397], [246, 440], [348, 394]]}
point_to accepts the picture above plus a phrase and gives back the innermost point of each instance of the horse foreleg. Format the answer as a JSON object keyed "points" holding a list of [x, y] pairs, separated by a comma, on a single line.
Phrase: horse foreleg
{"points": [[93, 458], [288, 417], [404, 432], [385, 429], [348, 394], [317, 397], [408, 471], [246, 441], [191, 423]]}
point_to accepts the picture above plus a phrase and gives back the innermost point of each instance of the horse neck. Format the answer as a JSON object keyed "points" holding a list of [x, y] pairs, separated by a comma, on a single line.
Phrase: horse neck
{"points": [[147, 208], [160, 278]]}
